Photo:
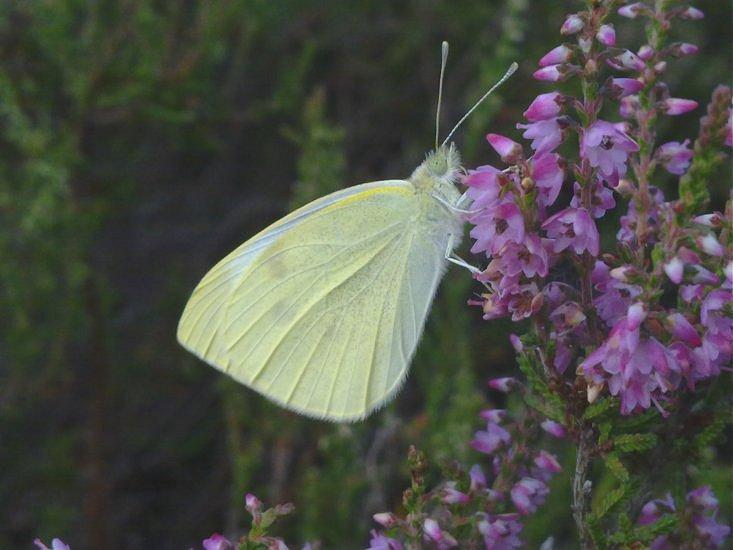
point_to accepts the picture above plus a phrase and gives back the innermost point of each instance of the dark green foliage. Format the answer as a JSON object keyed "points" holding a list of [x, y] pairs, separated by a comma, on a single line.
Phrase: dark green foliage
{"points": [[140, 141]]}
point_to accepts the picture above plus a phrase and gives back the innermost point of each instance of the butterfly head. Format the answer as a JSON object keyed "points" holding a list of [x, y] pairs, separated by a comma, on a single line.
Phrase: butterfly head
{"points": [[443, 164]]}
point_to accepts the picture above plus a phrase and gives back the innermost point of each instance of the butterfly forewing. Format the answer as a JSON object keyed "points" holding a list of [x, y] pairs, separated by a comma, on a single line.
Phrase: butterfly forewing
{"points": [[324, 316]]}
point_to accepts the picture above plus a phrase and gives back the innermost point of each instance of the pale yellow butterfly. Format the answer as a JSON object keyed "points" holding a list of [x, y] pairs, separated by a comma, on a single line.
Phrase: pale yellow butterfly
{"points": [[322, 311]]}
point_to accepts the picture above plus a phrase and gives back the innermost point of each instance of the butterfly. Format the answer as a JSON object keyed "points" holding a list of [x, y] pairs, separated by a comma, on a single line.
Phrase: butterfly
{"points": [[323, 310]]}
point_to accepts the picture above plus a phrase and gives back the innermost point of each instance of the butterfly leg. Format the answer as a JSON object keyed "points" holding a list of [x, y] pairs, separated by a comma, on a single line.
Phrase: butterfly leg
{"points": [[455, 207]]}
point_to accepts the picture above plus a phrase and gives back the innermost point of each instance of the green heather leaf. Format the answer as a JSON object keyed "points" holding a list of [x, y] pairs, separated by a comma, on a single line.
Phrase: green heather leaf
{"points": [[616, 467], [629, 443], [599, 408], [611, 499]]}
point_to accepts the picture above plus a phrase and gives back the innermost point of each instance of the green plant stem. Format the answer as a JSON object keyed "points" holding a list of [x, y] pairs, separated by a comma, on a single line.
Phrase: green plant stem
{"points": [[581, 488]]}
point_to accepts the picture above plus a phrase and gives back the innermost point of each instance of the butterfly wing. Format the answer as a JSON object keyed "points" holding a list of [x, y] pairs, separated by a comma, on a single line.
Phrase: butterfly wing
{"points": [[322, 311]]}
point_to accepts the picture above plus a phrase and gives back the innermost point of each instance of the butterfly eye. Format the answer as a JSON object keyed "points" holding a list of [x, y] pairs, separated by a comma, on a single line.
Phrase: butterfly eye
{"points": [[438, 165]]}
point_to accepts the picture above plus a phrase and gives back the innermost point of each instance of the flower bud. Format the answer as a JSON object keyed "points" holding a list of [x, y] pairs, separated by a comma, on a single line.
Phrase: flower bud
{"points": [[674, 270], [678, 106], [683, 330], [709, 243], [629, 60], [585, 43], [632, 11], [252, 503], [553, 428], [502, 384], [593, 391], [385, 519], [544, 106], [493, 415], [629, 105], [547, 462], [478, 478], [551, 73], [682, 49], [516, 342], [606, 35], [573, 24], [660, 67], [635, 315], [709, 220], [621, 87], [559, 54], [509, 151], [646, 52], [692, 14], [451, 495]]}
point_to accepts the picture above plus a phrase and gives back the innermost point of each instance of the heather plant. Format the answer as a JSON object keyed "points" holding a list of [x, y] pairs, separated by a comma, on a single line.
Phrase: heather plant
{"points": [[626, 337]]}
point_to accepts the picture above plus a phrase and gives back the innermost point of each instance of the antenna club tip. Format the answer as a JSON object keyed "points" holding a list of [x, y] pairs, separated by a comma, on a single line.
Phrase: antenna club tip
{"points": [[513, 67]]}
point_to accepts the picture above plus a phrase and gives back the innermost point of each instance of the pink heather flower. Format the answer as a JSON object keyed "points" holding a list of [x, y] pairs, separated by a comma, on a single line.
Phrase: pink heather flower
{"points": [[548, 176], [601, 199], [573, 228], [729, 129], [553, 428], [678, 106], [523, 301], [685, 48], [544, 106], [56, 544], [710, 244], [516, 343], [380, 541], [557, 55], [502, 384], [441, 538], [674, 270], [501, 532], [546, 135], [628, 106], [547, 463], [675, 156], [622, 87], [477, 477], [709, 220], [573, 24], [702, 497], [654, 509], [385, 519], [632, 11], [216, 542], [638, 368], [606, 35], [496, 227], [483, 186], [528, 257], [509, 151], [683, 330], [607, 148], [627, 60], [527, 494], [451, 495], [493, 415], [703, 276], [550, 73], [489, 440], [646, 52], [692, 14], [613, 297], [252, 503], [635, 315]]}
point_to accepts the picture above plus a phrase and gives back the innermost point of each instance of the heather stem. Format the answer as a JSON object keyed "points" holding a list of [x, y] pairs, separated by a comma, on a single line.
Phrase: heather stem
{"points": [[581, 488]]}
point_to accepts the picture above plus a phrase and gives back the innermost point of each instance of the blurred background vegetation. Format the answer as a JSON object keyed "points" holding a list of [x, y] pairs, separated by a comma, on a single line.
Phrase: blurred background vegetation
{"points": [[142, 140]]}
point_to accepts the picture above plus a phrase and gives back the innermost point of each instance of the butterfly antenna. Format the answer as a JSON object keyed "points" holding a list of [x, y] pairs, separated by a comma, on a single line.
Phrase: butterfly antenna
{"points": [[510, 71], [443, 61]]}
